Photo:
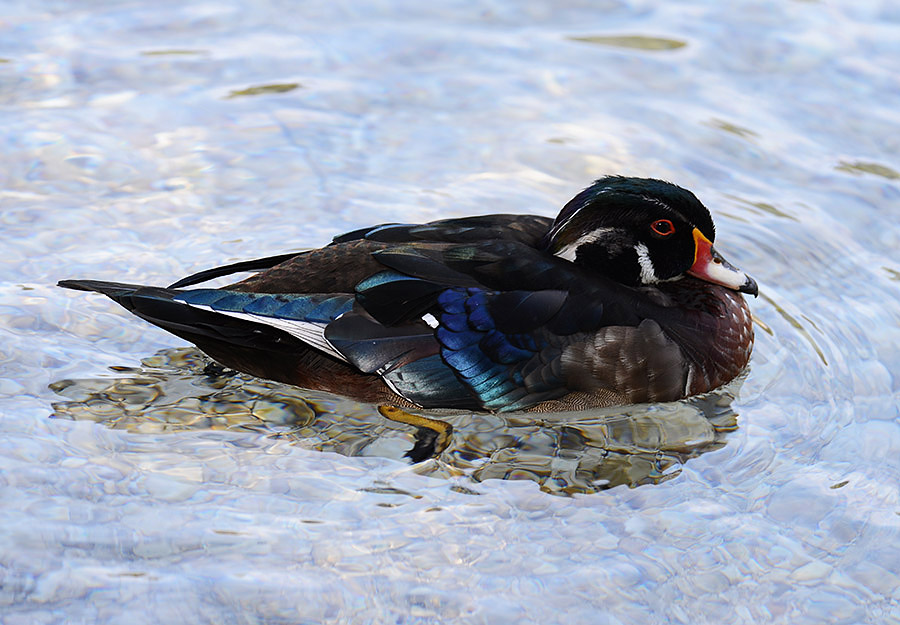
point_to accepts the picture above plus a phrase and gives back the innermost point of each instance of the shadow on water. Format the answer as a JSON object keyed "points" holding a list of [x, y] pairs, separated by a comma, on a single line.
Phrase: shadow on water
{"points": [[566, 453]]}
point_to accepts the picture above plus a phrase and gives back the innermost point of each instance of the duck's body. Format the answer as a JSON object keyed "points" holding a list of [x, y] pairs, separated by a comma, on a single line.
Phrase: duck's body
{"points": [[493, 313]]}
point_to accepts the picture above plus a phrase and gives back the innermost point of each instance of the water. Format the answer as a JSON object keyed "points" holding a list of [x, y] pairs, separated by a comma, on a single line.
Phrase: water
{"points": [[147, 141]]}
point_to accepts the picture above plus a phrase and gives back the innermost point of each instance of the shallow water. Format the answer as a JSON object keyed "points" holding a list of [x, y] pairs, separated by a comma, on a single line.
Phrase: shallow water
{"points": [[147, 141]]}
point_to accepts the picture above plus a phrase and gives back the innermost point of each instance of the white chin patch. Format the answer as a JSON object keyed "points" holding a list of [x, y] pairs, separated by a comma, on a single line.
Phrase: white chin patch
{"points": [[648, 273]]}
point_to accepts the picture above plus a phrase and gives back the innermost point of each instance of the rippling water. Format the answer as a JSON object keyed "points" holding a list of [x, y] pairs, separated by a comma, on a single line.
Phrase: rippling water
{"points": [[147, 141]]}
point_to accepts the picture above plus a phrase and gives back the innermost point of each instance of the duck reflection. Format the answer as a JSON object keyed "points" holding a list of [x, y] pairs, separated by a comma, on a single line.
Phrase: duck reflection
{"points": [[565, 453]]}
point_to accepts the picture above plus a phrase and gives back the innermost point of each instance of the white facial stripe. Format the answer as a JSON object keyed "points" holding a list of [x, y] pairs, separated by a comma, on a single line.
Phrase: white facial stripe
{"points": [[568, 252], [313, 334], [654, 200], [556, 229], [648, 273]]}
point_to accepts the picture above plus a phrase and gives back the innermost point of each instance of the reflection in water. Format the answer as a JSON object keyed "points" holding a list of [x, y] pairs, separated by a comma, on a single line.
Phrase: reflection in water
{"points": [[580, 452], [265, 89], [639, 42], [862, 167]]}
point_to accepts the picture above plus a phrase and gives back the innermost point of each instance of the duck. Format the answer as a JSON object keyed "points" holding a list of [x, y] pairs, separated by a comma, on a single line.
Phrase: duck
{"points": [[621, 299]]}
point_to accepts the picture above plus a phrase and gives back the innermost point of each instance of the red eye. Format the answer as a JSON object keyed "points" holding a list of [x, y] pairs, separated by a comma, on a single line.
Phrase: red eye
{"points": [[662, 227]]}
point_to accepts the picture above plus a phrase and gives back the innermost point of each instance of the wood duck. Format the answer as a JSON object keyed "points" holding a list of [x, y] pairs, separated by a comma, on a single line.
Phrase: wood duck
{"points": [[622, 299]]}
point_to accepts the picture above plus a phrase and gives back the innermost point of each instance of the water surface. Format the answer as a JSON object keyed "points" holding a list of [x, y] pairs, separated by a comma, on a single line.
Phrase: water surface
{"points": [[145, 141]]}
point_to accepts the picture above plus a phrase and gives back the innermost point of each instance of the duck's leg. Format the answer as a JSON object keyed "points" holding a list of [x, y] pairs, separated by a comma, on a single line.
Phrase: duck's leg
{"points": [[432, 435]]}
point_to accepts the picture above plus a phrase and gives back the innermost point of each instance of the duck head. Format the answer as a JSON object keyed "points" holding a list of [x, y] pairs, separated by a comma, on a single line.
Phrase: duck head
{"points": [[640, 231]]}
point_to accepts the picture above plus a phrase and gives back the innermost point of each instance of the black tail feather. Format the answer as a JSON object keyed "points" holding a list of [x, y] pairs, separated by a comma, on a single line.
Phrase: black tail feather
{"points": [[157, 306], [110, 289], [246, 265]]}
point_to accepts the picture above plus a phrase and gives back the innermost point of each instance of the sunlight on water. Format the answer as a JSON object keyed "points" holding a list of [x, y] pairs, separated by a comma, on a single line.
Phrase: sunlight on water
{"points": [[144, 142]]}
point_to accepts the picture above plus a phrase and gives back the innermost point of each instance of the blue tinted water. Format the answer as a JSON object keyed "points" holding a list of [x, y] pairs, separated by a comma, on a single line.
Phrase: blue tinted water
{"points": [[145, 141]]}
